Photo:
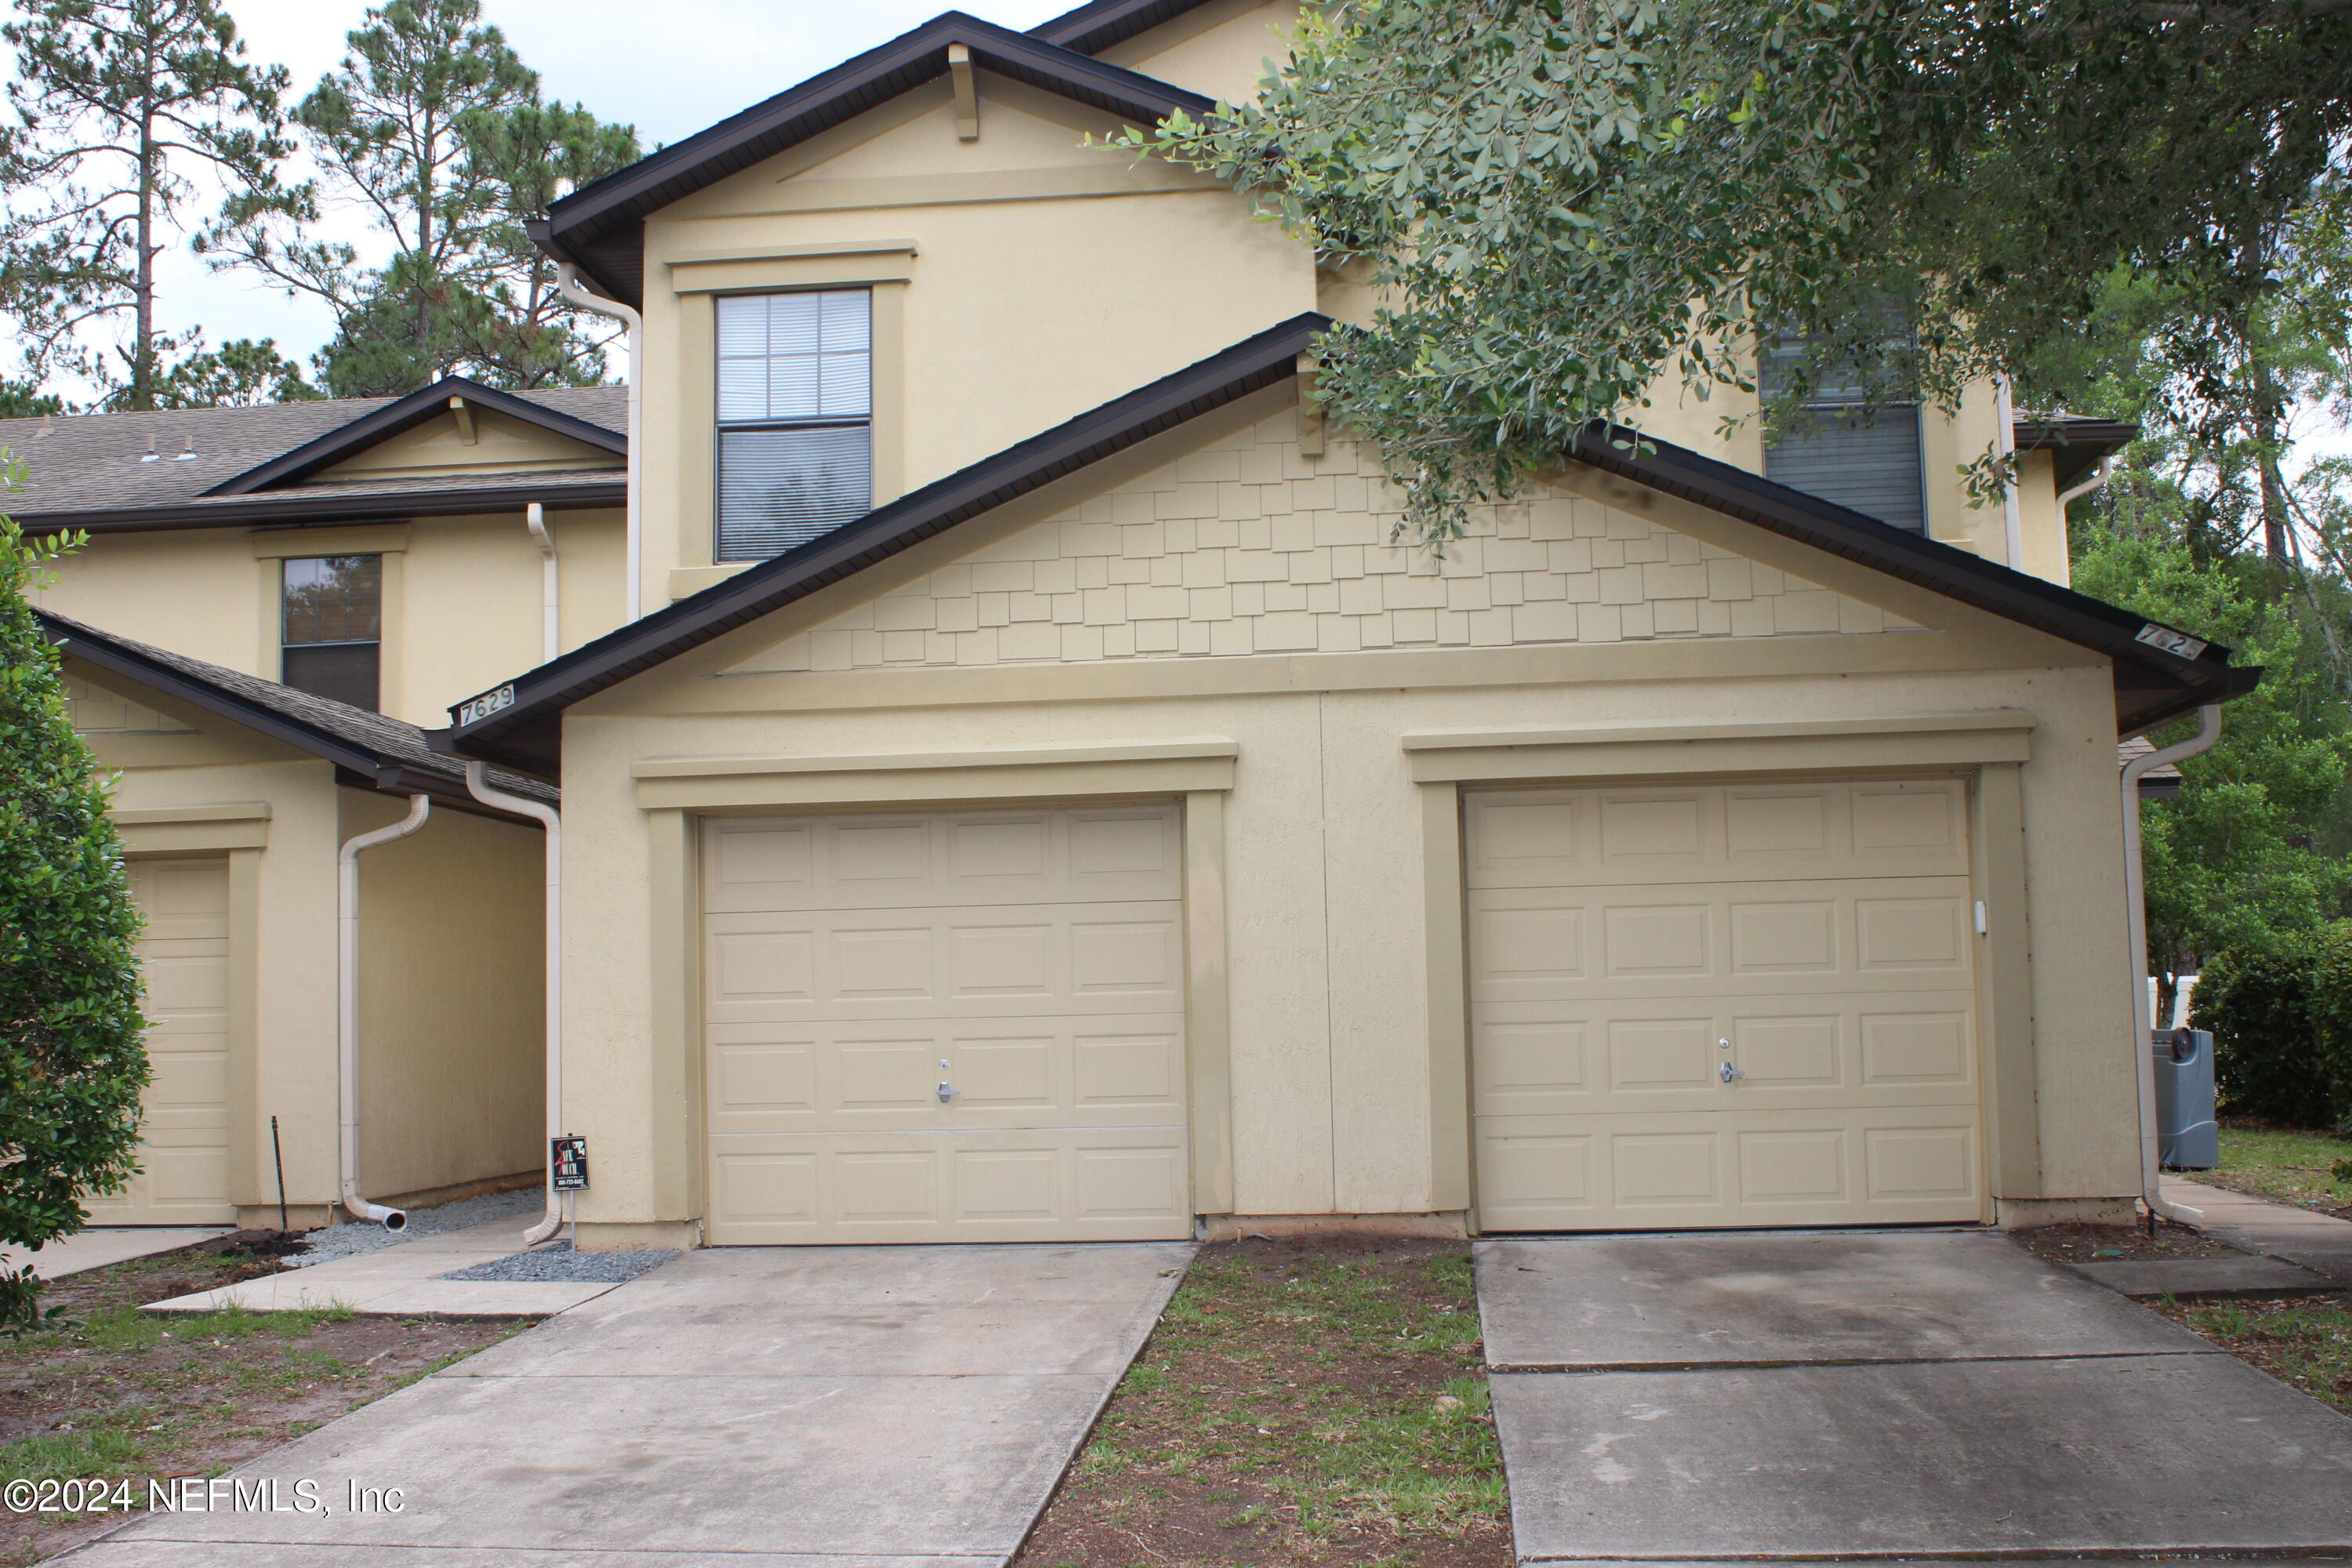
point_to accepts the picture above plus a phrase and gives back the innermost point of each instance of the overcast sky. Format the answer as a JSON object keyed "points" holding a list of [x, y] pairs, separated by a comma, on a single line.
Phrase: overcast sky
{"points": [[668, 67]]}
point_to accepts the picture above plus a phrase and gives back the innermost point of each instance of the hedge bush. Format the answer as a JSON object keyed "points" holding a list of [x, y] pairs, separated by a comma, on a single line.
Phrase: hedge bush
{"points": [[72, 1059], [2281, 1013]]}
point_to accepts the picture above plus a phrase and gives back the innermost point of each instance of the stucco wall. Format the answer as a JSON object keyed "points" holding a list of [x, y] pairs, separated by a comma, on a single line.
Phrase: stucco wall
{"points": [[452, 1050], [1331, 1098], [462, 595]]}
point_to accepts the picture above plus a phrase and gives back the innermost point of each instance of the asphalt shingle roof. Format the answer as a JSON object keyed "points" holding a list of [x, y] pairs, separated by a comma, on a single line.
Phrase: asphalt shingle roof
{"points": [[97, 462], [392, 743]]}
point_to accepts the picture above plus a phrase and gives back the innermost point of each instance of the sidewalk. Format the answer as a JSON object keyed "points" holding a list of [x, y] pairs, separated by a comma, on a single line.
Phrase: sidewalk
{"points": [[403, 1280], [2316, 1241], [103, 1244]]}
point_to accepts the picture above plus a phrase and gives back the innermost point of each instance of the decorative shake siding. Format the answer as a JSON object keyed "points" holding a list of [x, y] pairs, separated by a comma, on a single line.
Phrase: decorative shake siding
{"points": [[1249, 546]]}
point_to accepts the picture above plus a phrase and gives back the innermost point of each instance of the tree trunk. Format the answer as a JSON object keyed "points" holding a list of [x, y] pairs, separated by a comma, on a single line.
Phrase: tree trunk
{"points": [[143, 344]]}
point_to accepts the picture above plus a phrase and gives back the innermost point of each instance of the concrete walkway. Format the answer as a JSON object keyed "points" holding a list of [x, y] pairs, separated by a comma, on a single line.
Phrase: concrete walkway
{"points": [[403, 1280], [792, 1407], [2316, 1241], [1880, 1395], [103, 1244]]}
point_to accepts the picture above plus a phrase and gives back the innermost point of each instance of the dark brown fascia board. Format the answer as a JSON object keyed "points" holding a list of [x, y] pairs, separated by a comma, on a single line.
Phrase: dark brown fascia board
{"points": [[2075, 445], [394, 418], [1094, 27], [539, 696], [2179, 683], [302, 508], [596, 227], [359, 766]]}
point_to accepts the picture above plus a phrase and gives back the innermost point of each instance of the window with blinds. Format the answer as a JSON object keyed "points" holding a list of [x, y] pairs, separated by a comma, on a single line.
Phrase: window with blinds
{"points": [[331, 627], [795, 419], [1840, 450]]}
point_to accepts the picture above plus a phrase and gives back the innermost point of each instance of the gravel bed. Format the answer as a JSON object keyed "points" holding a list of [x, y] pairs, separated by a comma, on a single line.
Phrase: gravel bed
{"points": [[349, 1240], [559, 1262]]}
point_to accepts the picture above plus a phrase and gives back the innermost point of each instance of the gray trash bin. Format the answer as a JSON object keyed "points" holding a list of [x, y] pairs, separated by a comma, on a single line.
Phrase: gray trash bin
{"points": [[2186, 1136]]}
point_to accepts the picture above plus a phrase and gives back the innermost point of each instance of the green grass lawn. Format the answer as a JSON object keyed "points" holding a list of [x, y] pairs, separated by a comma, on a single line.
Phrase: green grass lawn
{"points": [[2287, 1167], [2305, 1344]]}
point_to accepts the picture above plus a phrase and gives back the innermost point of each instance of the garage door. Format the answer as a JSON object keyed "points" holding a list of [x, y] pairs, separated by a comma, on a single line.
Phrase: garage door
{"points": [[183, 958], [952, 1026], [1746, 1006]]}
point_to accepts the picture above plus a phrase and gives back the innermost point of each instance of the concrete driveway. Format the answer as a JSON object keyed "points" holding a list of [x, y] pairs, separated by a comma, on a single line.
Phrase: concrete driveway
{"points": [[1880, 1395], [798, 1407]]}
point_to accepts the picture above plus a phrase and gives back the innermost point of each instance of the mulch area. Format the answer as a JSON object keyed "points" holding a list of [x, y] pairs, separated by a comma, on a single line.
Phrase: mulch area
{"points": [[2119, 1243], [1310, 1402], [109, 1391]]}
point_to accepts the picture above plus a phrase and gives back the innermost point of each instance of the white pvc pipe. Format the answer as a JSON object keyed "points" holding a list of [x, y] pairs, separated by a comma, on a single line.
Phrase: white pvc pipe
{"points": [[569, 284], [347, 1002], [2098, 480], [2014, 527], [2209, 729], [548, 818], [534, 517]]}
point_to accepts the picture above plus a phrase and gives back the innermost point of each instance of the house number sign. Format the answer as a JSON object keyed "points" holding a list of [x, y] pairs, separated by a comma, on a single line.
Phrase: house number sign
{"points": [[570, 1163]]}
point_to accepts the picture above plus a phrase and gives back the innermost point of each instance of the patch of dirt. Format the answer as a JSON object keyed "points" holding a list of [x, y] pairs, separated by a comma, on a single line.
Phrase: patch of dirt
{"points": [[2305, 1343], [2119, 1243], [1319, 1401], [109, 1391]]}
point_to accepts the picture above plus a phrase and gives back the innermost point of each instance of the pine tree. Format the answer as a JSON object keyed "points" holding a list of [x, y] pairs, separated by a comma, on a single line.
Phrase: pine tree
{"points": [[434, 128], [119, 104], [72, 1061]]}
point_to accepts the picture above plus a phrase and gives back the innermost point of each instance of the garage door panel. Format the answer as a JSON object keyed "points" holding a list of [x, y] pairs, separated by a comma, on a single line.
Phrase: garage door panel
{"points": [[1017, 960], [962, 859], [1659, 837], [1058, 1183], [1029, 961], [184, 1176], [1736, 939], [1810, 1166], [1816, 936]]}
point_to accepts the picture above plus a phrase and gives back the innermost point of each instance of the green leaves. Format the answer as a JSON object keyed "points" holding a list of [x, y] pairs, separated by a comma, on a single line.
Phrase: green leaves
{"points": [[1590, 205], [72, 1059]]}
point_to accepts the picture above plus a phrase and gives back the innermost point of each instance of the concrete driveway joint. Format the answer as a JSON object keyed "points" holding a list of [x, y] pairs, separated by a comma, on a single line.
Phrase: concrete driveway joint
{"points": [[1880, 1395]]}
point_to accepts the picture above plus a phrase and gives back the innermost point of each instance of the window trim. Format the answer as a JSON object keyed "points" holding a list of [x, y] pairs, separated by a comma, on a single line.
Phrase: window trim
{"points": [[720, 428]]}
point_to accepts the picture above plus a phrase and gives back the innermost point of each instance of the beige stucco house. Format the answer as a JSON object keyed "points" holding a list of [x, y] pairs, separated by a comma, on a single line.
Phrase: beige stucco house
{"points": [[268, 596], [1045, 800], [1016, 785]]}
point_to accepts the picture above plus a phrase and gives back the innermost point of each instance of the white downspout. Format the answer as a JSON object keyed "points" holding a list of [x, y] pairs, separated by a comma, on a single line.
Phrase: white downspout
{"points": [[548, 818], [2209, 729], [2014, 527], [347, 998], [569, 284], [534, 517], [2097, 481]]}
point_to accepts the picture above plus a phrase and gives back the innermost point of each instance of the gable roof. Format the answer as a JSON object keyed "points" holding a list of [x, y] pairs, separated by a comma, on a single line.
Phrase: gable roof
{"points": [[114, 473], [372, 750], [404, 414], [1094, 27], [600, 227], [519, 723]]}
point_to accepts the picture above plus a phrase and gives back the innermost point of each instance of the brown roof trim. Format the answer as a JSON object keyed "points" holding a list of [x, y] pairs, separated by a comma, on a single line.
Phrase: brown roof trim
{"points": [[417, 408], [1094, 27], [522, 730], [301, 507], [228, 694], [2151, 683], [518, 724], [600, 227], [2076, 445]]}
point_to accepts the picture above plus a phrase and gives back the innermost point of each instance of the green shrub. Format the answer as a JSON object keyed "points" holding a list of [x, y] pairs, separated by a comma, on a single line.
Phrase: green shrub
{"points": [[72, 1061], [2281, 1015]]}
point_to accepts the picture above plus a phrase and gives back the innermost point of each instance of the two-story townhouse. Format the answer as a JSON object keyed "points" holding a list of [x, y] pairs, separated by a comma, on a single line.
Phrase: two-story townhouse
{"points": [[269, 599], [1046, 800]]}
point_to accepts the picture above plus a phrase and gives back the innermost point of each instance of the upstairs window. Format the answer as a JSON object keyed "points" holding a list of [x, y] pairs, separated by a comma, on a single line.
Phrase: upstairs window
{"points": [[332, 632], [795, 419], [1840, 450]]}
